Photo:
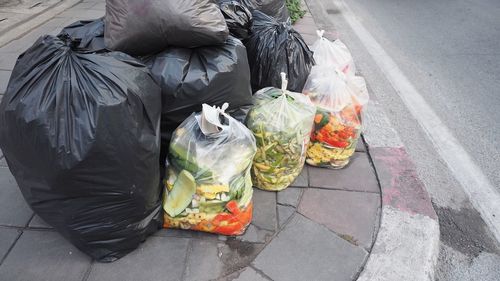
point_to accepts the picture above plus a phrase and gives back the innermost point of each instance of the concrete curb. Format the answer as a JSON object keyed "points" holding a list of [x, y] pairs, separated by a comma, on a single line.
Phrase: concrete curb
{"points": [[407, 244], [22, 28]]}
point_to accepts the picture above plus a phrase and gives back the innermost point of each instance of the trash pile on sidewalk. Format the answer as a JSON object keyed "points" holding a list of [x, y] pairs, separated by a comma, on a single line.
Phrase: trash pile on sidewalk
{"points": [[146, 118]]}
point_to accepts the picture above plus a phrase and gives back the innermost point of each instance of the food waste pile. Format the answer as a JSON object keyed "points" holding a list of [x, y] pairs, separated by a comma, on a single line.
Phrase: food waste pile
{"points": [[171, 120]]}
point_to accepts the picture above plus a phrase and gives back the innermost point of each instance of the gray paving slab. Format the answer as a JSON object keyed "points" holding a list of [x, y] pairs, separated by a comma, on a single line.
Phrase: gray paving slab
{"points": [[264, 209], [290, 196], [284, 213], [8, 60], [181, 233], [7, 237], [203, 262], [27, 40], [305, 29], [83, 5], [44, 256], [249, 274], [360, 146], [303, 179], [38, 222], [14, 210], [3, 161], [4, 80], [159, 258], [309, 39], [236, 254], [350, 214], [255, 235], [82, 14], [359, 175], [305, 250], [100, 6]]}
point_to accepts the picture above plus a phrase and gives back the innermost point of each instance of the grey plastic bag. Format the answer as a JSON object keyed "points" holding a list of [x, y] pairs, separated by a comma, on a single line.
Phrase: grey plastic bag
{"points": [[190, 77], [274, 8], [142, 27]]}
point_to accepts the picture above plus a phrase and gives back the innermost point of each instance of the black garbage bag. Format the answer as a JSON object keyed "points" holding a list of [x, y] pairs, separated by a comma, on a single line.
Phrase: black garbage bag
{"points": [[274, 8], [190, 77], [90, 33], [274, 48], [143, 27], [238, 17], [80, 133]]}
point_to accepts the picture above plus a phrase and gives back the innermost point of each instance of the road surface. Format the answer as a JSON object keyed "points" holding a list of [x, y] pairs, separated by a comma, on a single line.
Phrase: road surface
{"points": [[449, 51]]}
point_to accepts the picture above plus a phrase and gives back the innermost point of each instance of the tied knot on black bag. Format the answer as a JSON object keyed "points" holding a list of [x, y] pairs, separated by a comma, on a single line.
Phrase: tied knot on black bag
{"points": [[70, 41]]}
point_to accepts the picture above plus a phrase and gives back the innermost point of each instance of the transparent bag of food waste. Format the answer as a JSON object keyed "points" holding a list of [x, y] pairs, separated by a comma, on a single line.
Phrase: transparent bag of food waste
{"points": [[339, 100], [281, 122], [333, 54], [208, 185]]}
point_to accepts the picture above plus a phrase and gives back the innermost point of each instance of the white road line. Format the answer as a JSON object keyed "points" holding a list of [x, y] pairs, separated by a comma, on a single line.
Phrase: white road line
{"points": [[483, 196]]}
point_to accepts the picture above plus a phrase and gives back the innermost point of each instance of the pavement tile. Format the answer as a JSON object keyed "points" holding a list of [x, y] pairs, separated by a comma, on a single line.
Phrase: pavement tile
{"points": [[203, 262], [264, 209], [350, 214], [3, 161], [358, 176], [305, 29], [290, 196], [27, 40], [249, 274], [159, 258], [14, 210], [306, 21], [4, 80], [302, 180], [360, 146], [44, 256], [79, 14], [309, 251], [8, 60], [7, 237], [38, 222], [309, 39], [236, 254], [255, 235], [100, 6], [83, 5], [181, 233], [284, 213]]}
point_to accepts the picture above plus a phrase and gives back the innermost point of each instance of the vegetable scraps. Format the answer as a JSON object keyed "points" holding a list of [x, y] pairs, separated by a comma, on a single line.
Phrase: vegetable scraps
{"points": [[334, 138], [202, 191], [281, 122]]}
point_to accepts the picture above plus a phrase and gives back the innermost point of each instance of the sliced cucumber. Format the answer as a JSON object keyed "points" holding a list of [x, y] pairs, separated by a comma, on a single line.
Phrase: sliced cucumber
{"points": [[180, 196]]}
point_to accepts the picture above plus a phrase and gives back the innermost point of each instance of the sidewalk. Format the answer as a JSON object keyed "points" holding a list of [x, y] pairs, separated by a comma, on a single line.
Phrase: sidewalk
{"points": [[324, 227]]}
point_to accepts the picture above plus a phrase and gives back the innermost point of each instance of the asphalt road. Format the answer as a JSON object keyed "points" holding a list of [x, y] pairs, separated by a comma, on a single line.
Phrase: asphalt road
{"points": [[450, 52]]}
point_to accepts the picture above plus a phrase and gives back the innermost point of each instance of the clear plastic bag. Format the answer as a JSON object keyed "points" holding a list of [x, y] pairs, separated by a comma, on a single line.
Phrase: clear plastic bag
{"points": [[208, 185], [339, 100], [333, 54], [281, 122]]}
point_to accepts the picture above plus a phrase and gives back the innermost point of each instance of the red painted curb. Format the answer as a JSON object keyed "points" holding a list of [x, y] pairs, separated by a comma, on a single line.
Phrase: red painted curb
{"points": [[399, 182]]}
